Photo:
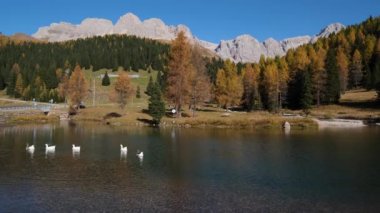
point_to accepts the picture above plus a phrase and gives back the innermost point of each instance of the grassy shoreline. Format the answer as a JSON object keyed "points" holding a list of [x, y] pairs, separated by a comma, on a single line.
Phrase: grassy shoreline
{"points": [[216, 119], [357, 104], [136, 117]]}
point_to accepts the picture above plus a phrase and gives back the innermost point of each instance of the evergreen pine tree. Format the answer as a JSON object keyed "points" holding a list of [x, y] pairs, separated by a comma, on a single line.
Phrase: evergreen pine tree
{"points": [[2, 83], [19, 86], [150, 86], [138, 93], [375, 68], [306, 96], [12, 80], [106, 80], [333, 82], [156, 107], [294, 94], [161, 80]]}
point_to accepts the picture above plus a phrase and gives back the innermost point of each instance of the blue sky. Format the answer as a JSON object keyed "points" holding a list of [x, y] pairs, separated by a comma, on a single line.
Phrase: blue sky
{"points": [[210, 20]]}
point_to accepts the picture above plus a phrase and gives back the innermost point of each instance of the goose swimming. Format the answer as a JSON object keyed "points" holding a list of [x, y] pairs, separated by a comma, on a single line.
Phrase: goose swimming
{"points": [[140, 155], [123, 149], [50, 148], [76, 148], [30, 148]]}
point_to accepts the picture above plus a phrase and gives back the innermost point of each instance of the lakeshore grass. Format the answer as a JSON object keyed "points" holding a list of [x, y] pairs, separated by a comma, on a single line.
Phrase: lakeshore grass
{"points": [[36, 117], [355, 104], [212, 117]]}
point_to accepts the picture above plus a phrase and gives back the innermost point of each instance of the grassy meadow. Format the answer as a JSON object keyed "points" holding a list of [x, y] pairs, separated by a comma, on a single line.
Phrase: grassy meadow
{"points": [[358, 104]]}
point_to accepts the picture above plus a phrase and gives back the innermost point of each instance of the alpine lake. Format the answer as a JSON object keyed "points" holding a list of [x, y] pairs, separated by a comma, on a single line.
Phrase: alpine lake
{"points": [[188, 170]]}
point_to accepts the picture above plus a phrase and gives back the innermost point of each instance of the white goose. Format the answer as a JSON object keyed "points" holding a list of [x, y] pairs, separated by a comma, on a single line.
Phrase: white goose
{"points": [[50, 148], [123, 149], [30, 148], [76, 148], [140, 155]]}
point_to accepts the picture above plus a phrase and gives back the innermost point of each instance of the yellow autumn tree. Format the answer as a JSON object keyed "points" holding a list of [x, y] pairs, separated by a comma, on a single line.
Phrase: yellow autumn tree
{"points": [[221, 90], [228, 86], [319, 74], [301, 59], [271, 85], [77, 87], [342, 65], [251, 95], [122, 90], [283, 80], [178, 75]]}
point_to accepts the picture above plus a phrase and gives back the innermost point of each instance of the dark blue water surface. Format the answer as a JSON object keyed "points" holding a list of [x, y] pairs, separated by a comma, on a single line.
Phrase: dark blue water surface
{"points": [[189, 170]]}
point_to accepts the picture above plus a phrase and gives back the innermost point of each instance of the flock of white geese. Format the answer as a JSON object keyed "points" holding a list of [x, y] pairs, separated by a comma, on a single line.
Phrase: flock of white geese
{"points": [[76, 149]]}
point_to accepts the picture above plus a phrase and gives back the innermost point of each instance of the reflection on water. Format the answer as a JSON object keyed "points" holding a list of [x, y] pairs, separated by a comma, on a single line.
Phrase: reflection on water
{"points": [[123, 156], [49, 154], [141, 159], [188, 170], [76, 155], [287, 131], [31, 153]]}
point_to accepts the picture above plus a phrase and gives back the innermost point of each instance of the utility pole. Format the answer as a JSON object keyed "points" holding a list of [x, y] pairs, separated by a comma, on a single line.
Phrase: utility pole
{"points": [[93, 91]]}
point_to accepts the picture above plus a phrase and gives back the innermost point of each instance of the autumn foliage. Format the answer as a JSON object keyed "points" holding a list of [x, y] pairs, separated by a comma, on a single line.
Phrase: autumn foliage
{"points": [[178, 75], [122, 90], [77, 87], [228, 86]]}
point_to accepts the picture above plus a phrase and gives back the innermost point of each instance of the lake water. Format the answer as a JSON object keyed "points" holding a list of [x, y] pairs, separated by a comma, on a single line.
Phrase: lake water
{"points": [[189, 170]]}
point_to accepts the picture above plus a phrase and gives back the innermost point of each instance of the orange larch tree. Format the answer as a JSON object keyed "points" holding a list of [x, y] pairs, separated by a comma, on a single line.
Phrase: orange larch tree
{"points": [[178, 74], [123, 89], [77, 87]]}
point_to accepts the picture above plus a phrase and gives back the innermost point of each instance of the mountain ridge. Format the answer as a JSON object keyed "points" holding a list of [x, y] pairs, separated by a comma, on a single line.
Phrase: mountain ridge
{"points": [[244, 48]]}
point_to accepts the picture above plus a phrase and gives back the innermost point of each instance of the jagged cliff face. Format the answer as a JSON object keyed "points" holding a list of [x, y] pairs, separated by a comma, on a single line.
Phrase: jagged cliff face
{"points": [[128, 24], [247, 49], [244, 48]]}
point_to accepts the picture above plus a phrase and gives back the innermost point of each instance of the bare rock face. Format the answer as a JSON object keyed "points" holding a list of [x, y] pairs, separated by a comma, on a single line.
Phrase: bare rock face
{"points": [[273, 48], [244, 48], [94, 27], [128, 24], [248, 49], [330, 29], [292, 43], [56, 32], [125, 22]]}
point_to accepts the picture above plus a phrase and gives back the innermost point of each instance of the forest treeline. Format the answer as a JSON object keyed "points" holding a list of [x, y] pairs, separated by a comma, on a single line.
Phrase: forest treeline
{"points": [[34, 69], [312, 74]]}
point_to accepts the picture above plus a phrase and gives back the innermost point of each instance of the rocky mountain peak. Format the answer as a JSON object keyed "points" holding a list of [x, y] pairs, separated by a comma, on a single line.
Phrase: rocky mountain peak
{"points": [[243, 48], [330, 29], [246, 48], [129, 18]]}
